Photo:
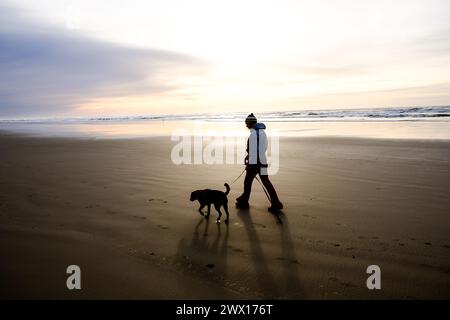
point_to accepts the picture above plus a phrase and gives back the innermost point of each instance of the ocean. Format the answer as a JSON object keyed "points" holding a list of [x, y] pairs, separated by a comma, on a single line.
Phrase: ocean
{"points": [[403, 123]]}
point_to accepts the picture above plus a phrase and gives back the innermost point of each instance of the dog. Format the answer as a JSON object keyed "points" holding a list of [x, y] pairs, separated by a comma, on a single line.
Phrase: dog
{"points": [[207, 197]]}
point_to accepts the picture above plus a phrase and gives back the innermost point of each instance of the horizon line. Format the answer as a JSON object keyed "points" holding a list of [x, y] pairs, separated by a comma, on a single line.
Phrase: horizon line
{"points": [[216, 115]]}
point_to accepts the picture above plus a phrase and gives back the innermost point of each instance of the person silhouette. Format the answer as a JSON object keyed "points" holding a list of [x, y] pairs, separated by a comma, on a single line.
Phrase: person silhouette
{"points": [[256, 164]]}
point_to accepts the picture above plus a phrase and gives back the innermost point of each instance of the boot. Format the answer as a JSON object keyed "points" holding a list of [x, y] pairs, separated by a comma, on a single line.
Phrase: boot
{"points": [[276, 206], [242, 203]]}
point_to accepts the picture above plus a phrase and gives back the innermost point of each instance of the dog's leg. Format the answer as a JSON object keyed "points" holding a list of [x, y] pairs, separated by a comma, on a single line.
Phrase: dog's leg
{"points": [[200, 209], [225, 207], [217, 206], [209, 211]]}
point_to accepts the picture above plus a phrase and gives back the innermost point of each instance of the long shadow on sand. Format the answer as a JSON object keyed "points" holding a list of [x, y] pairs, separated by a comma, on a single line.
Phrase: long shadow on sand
{"points": [[291, 264], [206, 257], [289, 287], [266, 282]]}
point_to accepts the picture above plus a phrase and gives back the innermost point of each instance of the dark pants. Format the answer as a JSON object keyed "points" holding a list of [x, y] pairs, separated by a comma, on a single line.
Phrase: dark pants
{"points": [[252, 171]]}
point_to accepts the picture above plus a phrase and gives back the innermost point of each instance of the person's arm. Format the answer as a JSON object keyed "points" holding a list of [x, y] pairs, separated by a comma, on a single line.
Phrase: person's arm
{"points": [[263, 147], [246, 157], [252, 153]]}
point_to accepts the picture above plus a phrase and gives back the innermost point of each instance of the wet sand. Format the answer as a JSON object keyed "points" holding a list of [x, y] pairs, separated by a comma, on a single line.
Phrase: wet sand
{"points": [[120, 209]]}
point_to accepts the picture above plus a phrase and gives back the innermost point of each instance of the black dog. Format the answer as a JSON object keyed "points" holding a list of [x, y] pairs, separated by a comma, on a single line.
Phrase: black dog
{"points": [[207, 197]]}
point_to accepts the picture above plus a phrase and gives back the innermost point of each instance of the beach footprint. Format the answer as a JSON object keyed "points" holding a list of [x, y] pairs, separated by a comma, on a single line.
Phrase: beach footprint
{"points": [[235, 249], [259, 225], [292, 261], [157, 200]]}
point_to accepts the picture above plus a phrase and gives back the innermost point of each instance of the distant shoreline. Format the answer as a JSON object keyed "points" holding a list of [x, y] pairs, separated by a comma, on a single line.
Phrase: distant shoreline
{"points": [[353, 114]]}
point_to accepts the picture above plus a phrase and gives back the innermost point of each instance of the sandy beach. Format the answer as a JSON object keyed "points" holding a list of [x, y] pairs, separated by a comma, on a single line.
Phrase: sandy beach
{"points": [[120, 209]]}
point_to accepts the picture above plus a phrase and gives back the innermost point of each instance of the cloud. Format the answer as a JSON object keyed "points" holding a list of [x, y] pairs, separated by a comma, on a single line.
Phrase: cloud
{"points": [[426, 95], [44, 71], [371, 56]]}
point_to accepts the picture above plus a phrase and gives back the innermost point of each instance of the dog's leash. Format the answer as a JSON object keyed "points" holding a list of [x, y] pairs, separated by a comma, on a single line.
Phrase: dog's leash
{"points": [[264, 189], [238, 177]]}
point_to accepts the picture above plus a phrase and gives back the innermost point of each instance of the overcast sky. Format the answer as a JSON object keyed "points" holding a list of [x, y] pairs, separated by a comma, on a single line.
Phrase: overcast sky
{"points": [[60, 58]]}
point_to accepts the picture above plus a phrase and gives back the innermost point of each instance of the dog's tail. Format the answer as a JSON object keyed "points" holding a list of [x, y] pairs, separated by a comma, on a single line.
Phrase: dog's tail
{"points": [[228, 188]]}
